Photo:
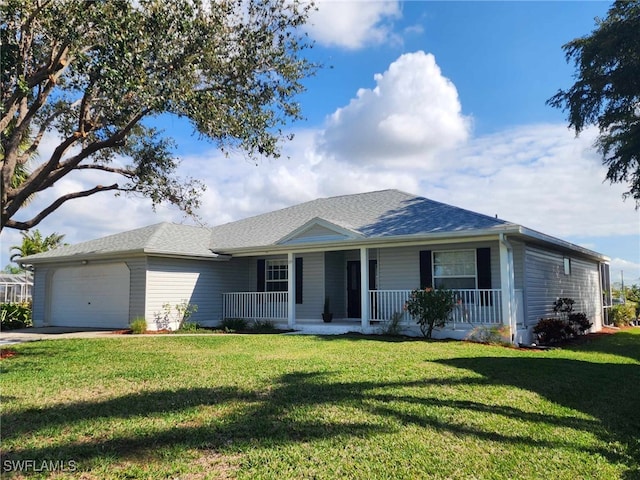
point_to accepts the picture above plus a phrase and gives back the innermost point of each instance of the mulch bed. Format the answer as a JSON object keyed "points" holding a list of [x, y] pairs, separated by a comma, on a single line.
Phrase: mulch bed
{"points": [[7, 353]]}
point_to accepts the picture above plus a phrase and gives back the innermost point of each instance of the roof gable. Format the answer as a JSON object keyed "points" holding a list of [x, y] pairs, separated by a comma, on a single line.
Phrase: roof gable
{"points": [[318, 230]]}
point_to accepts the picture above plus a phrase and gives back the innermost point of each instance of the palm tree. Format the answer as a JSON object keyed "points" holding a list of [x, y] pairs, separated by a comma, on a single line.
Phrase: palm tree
{"points": [[33, 243]]}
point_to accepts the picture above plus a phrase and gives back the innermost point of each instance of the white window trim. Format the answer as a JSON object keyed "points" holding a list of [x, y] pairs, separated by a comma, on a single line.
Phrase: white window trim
{"points": [[269, 264], [566, 262], [475, 266]]}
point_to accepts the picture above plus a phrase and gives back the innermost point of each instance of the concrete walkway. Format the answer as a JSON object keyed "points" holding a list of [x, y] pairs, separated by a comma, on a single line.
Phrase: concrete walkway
{"points": [[11, 337]]}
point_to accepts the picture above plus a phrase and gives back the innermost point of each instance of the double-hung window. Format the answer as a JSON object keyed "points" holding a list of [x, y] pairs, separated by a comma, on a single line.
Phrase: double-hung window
{"points": [[276, 272], [455, 269]]}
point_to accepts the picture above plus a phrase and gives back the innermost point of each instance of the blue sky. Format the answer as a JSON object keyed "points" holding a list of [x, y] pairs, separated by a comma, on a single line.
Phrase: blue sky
{"points": [[440, 99]]}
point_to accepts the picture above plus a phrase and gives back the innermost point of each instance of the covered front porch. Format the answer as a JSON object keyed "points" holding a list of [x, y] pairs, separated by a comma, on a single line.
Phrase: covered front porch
{"points": [[474, 307], [368, 287]]}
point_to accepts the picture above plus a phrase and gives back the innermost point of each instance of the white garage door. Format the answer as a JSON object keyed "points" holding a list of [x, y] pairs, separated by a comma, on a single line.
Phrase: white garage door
{"points": [[91, 296]]}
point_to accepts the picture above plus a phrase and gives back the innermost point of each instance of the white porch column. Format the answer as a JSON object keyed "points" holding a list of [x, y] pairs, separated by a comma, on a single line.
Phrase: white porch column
{"points": [[364, 287], [291, 293], [507, 286]]}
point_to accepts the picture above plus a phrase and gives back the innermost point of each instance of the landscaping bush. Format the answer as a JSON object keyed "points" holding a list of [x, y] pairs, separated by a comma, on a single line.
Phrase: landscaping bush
{"points": [[579, 322], [15, 315], [568, 325], [552, 330], [430, 308], [496, 335], [189, 327], [138, 325], [622, 315], [174, 316], [260, 326], [556, 330], [392, 327], [234, 324]]}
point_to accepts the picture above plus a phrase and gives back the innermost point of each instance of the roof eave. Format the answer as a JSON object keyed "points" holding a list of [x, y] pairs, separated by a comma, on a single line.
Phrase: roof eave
{"points": [[563, 244], [372, 242], [122, 254]]}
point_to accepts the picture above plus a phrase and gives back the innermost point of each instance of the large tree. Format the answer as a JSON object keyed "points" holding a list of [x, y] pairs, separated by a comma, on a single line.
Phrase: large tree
{"points": [[606, 91], [97, 72]]}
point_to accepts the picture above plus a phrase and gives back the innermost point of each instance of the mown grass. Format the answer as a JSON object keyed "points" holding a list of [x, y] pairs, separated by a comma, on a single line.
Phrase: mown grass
{"points": [[279, 406]]}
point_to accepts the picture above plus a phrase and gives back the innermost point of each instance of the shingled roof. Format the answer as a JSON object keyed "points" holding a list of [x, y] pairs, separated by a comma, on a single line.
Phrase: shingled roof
{"points": [[161, 239], [383, 213]]}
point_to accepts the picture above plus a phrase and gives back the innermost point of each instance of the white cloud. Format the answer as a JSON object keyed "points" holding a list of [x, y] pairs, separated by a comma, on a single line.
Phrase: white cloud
{"points": [[539, 176], [353, 25], [630, 270], [412, 114]]}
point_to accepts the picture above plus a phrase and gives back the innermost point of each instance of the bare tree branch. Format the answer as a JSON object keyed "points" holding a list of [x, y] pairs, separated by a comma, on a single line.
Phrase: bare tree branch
{"points": [[57, 204]]}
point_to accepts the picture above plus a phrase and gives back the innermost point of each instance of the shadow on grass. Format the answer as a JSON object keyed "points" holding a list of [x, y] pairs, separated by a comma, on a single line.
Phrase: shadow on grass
{"points": [[607, 392], [623, 344], [264, 417]]}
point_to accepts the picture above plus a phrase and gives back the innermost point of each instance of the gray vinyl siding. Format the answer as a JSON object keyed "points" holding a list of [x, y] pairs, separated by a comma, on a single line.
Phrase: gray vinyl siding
{"points": [[137, 286], [236, 276], [518, 264], [41, 278], [399, 268], [312, 286], [545, 281], [173, 281]]}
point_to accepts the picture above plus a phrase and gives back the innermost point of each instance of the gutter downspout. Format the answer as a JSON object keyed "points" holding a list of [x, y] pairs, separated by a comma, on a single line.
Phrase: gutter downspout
{"points": [[507, 284]]}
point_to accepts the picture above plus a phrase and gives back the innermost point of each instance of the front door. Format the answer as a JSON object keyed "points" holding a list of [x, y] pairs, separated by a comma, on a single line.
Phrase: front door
{"points": [[354, 299], [354, 285]]}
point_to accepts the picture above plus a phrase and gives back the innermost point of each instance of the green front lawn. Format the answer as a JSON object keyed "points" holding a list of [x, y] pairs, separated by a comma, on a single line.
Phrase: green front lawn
{"points": [[282, 406]]}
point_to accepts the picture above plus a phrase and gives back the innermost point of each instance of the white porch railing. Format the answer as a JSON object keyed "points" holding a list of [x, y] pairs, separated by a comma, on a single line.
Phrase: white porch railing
{"points": [[474, 307], [15, 292], [255, 305]]}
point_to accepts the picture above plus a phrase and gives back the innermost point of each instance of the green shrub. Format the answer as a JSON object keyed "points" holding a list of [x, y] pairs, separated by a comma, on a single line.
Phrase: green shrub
{"points": [[138, 325], [622, 315], [234, 325], [174, 315], [552, 330], [262, 326], [579, 322], [189, 327], [15, 315], [568, 325], [495, 335], [430, 308], [563, 306], [392, 327]]}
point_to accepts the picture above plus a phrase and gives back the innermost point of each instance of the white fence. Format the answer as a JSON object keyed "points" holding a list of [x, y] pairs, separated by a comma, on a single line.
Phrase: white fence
{"points": [[472, 306], [15, 292], [255, 305]]}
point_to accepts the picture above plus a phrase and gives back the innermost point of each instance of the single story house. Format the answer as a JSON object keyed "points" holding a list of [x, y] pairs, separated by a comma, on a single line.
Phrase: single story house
{"points": [[363, 252]]}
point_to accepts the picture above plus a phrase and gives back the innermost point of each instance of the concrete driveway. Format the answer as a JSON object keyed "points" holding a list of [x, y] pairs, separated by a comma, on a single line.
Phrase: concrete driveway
{"points": [[11, 337]]}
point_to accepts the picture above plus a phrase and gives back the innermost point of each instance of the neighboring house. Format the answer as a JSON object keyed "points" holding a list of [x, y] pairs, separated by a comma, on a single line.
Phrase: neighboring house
{"points": [[15, 287], [364, 252]]}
